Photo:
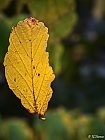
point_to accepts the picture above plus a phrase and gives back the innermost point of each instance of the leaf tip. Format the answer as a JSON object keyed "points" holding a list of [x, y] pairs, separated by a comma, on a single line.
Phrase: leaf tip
{"points": [[42, 117]]}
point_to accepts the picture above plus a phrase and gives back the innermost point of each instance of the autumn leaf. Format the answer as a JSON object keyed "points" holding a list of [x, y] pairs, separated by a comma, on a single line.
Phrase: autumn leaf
{"points": [[27, 68]]}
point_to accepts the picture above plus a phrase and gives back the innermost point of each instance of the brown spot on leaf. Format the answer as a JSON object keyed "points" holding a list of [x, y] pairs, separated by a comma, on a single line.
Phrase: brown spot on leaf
{"points": [[38, 74], [33, 67], [31, 20], [14, 79]]}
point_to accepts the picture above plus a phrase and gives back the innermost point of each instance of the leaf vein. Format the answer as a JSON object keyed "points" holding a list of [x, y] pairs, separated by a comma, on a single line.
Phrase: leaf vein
{"points": [[22, 94], [21, 59], [41, 84], [20, 75], [21, 44], [38, 46]]}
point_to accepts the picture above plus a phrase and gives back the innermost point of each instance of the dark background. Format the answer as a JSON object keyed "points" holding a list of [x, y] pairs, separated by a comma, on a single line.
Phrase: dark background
{"points": [[77, 55]]}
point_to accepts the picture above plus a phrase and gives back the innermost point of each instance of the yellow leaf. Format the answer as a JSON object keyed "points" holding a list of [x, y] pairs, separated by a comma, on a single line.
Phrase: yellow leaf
{"points": [[27, 68]]}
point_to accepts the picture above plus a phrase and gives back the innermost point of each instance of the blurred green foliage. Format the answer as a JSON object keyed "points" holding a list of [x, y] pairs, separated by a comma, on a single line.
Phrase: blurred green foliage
{"points": [[58, 18], [61, 124], [4, 36], [77, 54], [12, 129], [4, 4]]}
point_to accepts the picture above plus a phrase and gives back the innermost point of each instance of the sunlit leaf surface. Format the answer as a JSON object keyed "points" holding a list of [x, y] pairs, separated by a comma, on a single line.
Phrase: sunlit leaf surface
{"points": [[27, 68]]}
